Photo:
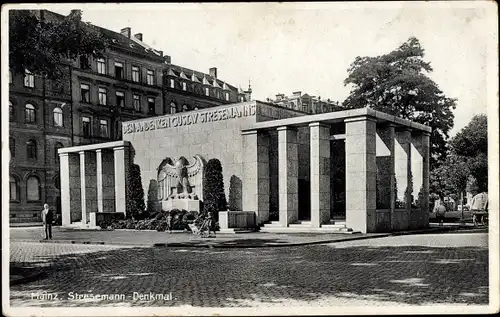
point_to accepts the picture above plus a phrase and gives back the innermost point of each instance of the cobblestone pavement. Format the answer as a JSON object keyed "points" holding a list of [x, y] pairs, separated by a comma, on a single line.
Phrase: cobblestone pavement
{"points": [[423, 269]]}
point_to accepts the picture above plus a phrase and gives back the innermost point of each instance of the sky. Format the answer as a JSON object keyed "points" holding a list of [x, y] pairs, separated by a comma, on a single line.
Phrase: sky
{"points": [[287, 47]]}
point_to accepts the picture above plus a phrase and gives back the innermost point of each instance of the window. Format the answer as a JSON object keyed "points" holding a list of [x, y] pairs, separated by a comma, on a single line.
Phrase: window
{"points": [[184, 86], [103, 96], [185, 108], [56, 153], [120, 99], [173, 107], [242, 98], [103, 128], [137, 102], [207, 91], [30, 114], [29, 79], [86, 127], [135, 73], [151, 105], [33, 188], [101, 66], [151, 77], [196, 108], [227, 96], [12, 114], [118, 70], [84, 62], [12, 147], [58, 117], [85, 93], [31, 149], [13, 188], [57, 182], [172, 83]]}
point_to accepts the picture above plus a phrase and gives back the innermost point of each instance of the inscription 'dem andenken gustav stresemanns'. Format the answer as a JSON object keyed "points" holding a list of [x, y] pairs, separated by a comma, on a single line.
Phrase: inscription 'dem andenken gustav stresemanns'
{"points": [[190, 118]]}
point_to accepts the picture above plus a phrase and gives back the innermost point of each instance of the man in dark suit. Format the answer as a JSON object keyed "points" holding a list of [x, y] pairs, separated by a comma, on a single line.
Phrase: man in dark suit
{"points": [[47, 218]]}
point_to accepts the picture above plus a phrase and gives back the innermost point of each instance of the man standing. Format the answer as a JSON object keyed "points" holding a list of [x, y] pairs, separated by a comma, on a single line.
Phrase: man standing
{"points": [[47, 219]]}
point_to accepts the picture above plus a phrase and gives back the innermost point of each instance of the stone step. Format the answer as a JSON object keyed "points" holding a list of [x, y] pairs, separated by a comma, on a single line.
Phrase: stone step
{"points": [[300, 225], [273, 225], [305, 230], [333, 225]]}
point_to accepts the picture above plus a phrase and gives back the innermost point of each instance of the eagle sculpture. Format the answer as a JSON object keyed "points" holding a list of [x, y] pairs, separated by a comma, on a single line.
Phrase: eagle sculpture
{"points": [[180, 172]]}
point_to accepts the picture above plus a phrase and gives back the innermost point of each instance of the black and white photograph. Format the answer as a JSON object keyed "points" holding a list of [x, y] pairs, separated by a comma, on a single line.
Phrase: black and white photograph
{"points": [[272, 158]]}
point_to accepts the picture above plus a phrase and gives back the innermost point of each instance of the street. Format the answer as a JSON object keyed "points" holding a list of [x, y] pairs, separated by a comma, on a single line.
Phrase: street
{"points": [[404, 270]]}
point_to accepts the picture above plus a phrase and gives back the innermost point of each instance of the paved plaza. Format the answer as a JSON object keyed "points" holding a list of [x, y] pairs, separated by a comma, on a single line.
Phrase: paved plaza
{"points": [[424, 269]]}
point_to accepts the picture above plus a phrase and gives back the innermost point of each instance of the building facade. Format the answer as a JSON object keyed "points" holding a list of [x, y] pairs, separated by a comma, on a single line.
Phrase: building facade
{"points": [[306, 103], [88, 104]]}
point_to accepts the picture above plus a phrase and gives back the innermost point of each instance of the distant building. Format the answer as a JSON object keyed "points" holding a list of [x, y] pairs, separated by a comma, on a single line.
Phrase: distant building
{"points": [[88, 105], [306, 103]]}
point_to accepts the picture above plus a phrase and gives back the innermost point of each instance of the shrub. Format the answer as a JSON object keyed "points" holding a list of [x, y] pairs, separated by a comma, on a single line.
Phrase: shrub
{"points": [[135, 193], [213, 190]]}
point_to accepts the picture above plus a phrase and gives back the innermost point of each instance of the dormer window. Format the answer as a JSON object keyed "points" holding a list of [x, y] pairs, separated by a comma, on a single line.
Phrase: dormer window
{"points": [[184, 86], [172, 83], [207, 91], [227, 96]]}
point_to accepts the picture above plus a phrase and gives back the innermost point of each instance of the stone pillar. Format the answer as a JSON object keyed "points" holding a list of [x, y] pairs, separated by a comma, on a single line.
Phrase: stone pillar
{"points": [[360, 148], [122, 161], [108, 181], [100, 194], [403, 167], [288, 172], [320, 173], [256, 174], [65, 189], [385, 171], [83, 188], [420, 171], [426, 167]]}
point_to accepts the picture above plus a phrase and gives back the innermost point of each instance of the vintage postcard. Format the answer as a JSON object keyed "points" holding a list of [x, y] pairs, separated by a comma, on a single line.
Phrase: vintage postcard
{"points": [[250, 158]]}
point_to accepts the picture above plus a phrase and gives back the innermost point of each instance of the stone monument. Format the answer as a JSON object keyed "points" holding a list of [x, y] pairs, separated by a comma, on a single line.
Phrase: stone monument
{"points": [[181, 183]]}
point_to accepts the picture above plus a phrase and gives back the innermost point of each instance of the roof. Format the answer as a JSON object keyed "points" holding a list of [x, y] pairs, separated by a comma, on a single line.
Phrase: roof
{"points": [[176, 70], [117, 40]]}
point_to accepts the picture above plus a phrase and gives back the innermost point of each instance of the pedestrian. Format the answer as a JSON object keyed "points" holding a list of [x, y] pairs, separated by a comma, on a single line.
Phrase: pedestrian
{"points": [[440, 212], [47, 218], [211, 223], [169, 223]]}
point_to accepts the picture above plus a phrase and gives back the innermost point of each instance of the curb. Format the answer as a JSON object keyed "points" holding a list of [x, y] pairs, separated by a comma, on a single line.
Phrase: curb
{"points": [[253, 246]]}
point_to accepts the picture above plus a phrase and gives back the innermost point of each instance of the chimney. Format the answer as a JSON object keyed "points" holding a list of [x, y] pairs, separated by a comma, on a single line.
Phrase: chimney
{"points": [[161, 53], [213, 72], [126, 32], [138, 36], [168, 59]]}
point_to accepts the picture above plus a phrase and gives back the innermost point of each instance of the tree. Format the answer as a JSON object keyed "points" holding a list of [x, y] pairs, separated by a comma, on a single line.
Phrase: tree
{"points": [[397, 83], [135, 193], [40, 41], [472, 143], [213, 188]]}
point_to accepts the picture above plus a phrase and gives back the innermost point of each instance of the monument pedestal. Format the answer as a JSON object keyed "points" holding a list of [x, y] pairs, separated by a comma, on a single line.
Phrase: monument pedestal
{"points": [[186, 204]]}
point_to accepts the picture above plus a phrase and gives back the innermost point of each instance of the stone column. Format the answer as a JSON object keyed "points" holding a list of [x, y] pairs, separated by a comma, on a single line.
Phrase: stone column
{"points": [[320, 173], [360, 148], [256, 174], [83, 188], [426, 167], [122, 162], [65, 189], [100, 194], [403, 167], [420, 171], [288, 175], [385, 171]]}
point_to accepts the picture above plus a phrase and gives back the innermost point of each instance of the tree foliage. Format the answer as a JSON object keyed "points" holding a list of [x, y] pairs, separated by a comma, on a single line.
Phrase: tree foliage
{"points": [[135, 193], [213, 188], [40, 43], [471, 143], [398, 83]]}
